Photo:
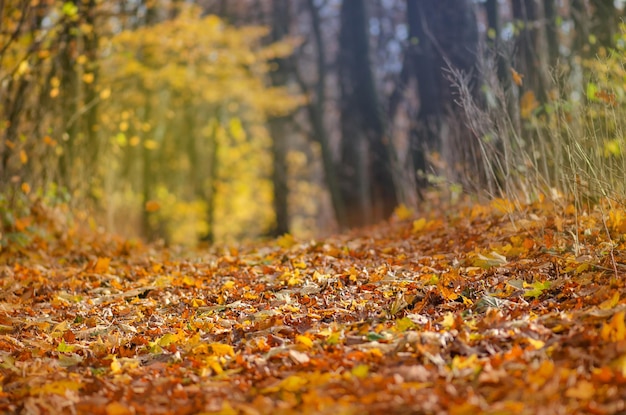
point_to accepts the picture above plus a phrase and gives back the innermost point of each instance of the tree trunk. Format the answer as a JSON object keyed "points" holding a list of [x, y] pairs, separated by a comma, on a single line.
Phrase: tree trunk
{"points": [[279, 126], [552, 31], [91, 98], [367, 180], [148, 175], [531, 44], [69, 100], [316, 110], [605, 22], [211, 190], [425, 65]]}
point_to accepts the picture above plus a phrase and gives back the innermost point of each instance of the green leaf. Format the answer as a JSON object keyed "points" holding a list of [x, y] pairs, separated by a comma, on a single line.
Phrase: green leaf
{"points": [[374, 336], [537, 288], [592, 89], [65, 348], [404, 324], [333, 338], [167, 339], [69, 9]]}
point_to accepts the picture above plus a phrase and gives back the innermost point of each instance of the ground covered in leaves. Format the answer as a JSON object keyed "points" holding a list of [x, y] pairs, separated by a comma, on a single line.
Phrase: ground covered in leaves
{"points": [[486, 310]]}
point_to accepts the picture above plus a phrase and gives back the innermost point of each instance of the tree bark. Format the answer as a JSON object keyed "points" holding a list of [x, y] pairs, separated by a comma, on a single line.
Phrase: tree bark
{"points": [[316, 109], [531, 44], [367, 180], [279, 126]]}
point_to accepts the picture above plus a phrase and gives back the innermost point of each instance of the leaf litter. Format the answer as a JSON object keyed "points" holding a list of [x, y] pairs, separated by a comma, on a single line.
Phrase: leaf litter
{"points": [[488, 310]]}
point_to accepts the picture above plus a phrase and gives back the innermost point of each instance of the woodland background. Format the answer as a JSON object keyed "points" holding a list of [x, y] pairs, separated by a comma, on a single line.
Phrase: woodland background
{"points": [[228, 120]]}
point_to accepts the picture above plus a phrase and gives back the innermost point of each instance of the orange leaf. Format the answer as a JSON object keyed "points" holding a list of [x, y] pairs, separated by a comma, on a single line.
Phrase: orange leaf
{"points": [[615, 330], [528, 104], [116, 408], [152, 206], [518, 78], [583, 390], [102, 265]]}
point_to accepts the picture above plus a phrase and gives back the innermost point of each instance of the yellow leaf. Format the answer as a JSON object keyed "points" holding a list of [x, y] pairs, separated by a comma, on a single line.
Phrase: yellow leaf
{"points": [[105, 94], [612, 148], [361, 371], [23, 157], [23, 68], [236, 129], [615, 330], [537, 344], [59, 329], [611, 302], [617, 220], [402, 212], [286, 241], [419, 225], [150, 144], [116, 366], [226, 409], [448, 320], [294, 279], [219, 349], [304, 341], [59, 387], [293, 383], [462, 362], [167, 339], [88, 78], [503, 206], [299, 265], [213, 363], [25, 188]]}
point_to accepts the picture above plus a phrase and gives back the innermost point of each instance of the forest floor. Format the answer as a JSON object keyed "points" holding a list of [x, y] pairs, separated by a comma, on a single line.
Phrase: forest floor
{"points": [[486, 310]]}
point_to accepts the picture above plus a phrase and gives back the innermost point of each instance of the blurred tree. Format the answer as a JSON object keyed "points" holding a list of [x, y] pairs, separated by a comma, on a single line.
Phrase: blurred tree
{"points": [[177, 119], [279, 126], [443, 36], [532, 55], [366, 171], [317, 108]]}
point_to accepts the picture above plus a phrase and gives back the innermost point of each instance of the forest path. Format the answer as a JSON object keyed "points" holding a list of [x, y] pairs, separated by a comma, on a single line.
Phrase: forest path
{"points": [[489, 310]]}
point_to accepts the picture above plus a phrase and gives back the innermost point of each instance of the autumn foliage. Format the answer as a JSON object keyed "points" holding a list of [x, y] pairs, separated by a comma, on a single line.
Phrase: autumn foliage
{"points": [[193, 126], [490, 309]]}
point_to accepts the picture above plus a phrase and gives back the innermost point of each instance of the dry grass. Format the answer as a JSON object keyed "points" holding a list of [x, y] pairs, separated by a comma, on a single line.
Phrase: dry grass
{"points": [[570, 148]]}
